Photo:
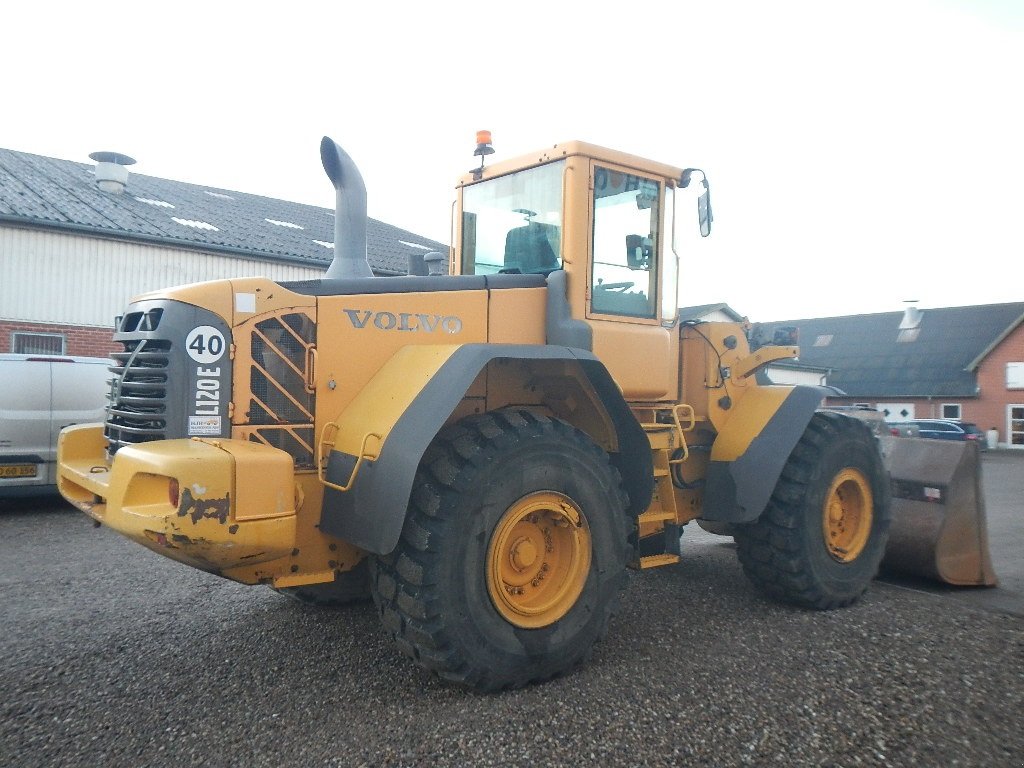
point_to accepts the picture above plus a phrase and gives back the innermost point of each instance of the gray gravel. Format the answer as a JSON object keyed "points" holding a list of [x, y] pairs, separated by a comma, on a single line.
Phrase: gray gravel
{"points": [[113, 656]]}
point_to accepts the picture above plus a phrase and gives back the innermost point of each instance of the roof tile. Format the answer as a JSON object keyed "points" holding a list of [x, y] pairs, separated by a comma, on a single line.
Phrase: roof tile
{"points": [[49, 192]]}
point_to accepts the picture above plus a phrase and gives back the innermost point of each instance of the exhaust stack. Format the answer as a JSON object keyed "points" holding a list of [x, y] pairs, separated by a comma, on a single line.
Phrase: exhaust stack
{"points": [[349, 213]]}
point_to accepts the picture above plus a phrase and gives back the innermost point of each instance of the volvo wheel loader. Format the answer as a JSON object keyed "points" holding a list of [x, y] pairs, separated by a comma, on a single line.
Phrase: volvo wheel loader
{"points": [[485, 452]]}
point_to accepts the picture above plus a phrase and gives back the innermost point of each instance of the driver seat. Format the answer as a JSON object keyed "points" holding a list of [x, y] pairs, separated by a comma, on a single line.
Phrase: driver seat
{"points": [[529, 250]]}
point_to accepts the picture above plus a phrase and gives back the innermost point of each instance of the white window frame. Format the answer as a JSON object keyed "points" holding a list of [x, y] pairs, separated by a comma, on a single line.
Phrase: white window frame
{"points": [[959, 411], [1015, 375], [18, 337]]}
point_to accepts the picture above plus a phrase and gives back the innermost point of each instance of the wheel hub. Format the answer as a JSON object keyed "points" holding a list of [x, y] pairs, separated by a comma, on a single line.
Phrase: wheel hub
{"points": [[847, 515], [538, 560]]}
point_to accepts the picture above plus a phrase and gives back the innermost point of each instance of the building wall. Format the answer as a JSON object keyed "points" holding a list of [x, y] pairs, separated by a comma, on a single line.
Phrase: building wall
{"points": [[78, 340], [987, 410], [923, 407], [795, 376], [76, 280], [992, 382]]}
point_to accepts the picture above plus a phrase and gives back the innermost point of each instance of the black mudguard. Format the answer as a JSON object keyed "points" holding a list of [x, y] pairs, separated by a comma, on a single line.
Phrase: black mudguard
{"points": [[737, 491], [372, 512]]}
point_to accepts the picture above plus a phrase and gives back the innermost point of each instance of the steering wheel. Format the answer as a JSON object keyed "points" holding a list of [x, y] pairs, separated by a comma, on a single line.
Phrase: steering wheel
{"points": [[620, 287]]}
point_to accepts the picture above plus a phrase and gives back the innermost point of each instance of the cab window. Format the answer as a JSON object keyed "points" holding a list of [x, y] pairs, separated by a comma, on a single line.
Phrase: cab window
{"points": [[513, 224], [625, 243]]}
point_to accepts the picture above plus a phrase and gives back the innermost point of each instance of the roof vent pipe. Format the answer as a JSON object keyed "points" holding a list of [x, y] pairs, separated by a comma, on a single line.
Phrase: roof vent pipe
{"points": [[911, 317], [111, 173], [349, 213]]}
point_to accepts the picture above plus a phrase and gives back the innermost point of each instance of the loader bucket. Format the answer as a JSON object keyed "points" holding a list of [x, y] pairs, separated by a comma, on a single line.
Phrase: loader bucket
{"points": [[938, 528]]}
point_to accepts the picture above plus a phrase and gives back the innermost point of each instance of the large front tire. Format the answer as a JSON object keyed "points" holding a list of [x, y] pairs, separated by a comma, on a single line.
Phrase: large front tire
{"points": [[820, 540], [513, 553]]}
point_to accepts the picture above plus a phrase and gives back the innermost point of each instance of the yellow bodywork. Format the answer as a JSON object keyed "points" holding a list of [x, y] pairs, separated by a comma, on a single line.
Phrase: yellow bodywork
{"points": [[236, 502], [248, 511]]}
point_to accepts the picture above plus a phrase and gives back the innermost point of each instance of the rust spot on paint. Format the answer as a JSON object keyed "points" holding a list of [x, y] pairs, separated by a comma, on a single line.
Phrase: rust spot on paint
{"points": [[158, 537], [233, 528], [197, 509], [295, 552], [295, 568]]}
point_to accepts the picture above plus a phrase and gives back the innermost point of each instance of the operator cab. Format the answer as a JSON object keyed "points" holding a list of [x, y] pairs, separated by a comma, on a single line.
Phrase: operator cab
{"points": [[604, 217]]}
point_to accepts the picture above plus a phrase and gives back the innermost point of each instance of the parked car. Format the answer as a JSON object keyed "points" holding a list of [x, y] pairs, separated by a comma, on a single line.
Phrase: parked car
{"points": [[944, 429], [903, 429], [39, 396], [875, 419]]}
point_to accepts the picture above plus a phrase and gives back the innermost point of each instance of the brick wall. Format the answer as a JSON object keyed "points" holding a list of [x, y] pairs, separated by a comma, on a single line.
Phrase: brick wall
{"points": [[924, 408], [992, 381], [989, 408], [86, 342]]}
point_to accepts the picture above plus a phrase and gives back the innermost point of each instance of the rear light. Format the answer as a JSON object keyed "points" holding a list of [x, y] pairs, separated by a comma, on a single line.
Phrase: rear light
{"points": [[894, 432], [173, 492], [969, 436]]}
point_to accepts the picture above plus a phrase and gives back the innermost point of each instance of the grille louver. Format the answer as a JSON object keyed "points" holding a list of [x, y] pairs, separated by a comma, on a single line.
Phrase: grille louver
{"points": [[138, 393]]}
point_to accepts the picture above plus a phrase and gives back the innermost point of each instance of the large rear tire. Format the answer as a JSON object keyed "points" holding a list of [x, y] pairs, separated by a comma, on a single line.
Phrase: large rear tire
{"points": [[820, 540], [513, 553]]}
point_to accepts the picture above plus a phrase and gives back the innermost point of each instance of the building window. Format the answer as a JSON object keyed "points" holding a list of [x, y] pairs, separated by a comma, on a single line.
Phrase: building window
{"points": [[951, 411], [1015, 375], [37, 343]]}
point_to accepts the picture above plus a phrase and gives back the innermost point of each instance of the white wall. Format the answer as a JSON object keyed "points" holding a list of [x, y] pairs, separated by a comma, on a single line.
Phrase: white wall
{"points": [[52, 277], [794, 376]]}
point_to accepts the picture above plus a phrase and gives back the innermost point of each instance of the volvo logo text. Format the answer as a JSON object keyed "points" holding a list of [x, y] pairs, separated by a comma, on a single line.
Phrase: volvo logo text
{"points": [[403, 321]]}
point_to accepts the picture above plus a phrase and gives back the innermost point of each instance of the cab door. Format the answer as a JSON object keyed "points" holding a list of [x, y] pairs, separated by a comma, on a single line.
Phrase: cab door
{"points": [[628, 283]]}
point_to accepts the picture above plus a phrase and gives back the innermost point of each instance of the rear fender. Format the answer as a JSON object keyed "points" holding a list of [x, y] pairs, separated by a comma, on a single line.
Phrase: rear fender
{"points": [[750, 451], [388, 426]]}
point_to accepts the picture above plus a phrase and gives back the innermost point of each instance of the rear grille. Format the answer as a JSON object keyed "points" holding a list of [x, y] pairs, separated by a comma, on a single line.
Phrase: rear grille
{"points": [[138, 393]]}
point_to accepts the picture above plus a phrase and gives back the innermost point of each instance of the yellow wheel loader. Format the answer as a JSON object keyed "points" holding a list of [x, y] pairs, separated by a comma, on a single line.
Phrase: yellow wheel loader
{"points": [[485, 451]]}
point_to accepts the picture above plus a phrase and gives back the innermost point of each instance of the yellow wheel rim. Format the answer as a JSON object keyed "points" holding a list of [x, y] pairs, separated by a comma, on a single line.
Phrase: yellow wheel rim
{"points": [[538, 559], [847, 515]]}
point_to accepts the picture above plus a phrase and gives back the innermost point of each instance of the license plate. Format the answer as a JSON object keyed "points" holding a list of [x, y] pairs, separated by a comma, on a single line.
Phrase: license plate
{"points": [[17, 470]]}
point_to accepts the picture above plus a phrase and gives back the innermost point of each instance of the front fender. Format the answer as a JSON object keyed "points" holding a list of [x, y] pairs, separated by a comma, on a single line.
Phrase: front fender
{"points": [[750, 451], [408, 402]]}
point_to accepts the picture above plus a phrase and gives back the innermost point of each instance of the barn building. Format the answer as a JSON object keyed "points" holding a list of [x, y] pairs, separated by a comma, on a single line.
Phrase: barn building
{"points": [[79, 240], [958, 363]]}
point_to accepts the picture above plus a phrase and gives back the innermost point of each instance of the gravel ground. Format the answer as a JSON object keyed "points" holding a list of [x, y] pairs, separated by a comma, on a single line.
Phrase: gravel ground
{"points": [[113, 656]]}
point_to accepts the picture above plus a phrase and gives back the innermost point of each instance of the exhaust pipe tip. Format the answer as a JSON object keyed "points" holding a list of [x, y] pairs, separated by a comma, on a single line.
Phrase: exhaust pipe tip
{"points": [[349, 213]]}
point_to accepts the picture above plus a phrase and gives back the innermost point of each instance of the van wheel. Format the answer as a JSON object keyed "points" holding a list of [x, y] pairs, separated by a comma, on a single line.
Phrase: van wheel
{"points": [[513, 553], [820, 540], [350, 586]]}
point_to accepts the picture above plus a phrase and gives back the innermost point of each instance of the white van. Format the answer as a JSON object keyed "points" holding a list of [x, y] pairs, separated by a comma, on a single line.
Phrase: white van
{"points": [[39, 396]]}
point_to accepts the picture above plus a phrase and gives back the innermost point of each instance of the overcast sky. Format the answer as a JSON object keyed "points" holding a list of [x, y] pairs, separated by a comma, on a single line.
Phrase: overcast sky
{"points": [[860, 154]]}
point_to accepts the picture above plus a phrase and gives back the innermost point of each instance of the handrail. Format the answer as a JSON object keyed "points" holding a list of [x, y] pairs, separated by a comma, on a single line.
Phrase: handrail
{"points": [[321, 458]]}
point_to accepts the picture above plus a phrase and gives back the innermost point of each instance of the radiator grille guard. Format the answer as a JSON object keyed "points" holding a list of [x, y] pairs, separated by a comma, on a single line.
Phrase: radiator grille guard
{"points": [[281, 406], [172, 378]]}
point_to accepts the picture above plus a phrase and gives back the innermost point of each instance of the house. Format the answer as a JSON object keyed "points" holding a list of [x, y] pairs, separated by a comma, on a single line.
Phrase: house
{"points": [[79, 240], [963, 363]]}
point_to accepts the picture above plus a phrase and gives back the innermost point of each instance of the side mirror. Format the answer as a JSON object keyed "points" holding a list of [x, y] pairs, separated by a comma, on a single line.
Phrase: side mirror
{"points": [[639, 250], [704, 214]]}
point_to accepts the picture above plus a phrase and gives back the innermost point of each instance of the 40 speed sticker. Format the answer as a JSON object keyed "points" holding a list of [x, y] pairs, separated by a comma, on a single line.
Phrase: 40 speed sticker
{"points": [[206, 345]]}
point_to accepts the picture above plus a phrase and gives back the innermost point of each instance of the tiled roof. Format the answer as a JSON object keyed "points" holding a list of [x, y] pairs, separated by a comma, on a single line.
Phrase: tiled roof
{"points": [[61, 194], [700, 311], [868, 360]]}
